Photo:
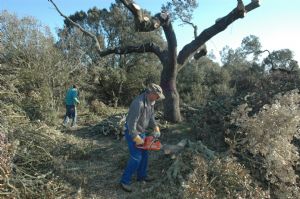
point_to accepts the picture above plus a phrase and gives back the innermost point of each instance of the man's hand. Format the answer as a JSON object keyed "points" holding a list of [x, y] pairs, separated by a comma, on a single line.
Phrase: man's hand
{"points": [[76, 100], [138, 140], [156, 134]]}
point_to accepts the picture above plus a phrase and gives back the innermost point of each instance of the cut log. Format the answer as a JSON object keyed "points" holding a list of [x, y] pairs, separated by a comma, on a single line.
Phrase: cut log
{"points": [[174, 149], [198, 146]]}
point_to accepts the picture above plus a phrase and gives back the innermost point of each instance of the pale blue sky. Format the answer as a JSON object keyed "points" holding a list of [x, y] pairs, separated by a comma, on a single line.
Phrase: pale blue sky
{"points": [[275, 22]]}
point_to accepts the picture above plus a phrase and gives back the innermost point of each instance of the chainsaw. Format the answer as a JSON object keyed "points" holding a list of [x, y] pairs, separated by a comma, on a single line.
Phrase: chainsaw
{"points": [[150, 143]]}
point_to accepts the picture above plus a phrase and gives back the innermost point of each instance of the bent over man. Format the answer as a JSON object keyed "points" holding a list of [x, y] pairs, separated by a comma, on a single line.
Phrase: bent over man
{"points": [[140, 117]]}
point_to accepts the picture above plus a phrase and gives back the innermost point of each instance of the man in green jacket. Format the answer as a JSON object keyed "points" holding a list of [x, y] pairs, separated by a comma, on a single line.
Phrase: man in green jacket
{"points": [[71, 100]]}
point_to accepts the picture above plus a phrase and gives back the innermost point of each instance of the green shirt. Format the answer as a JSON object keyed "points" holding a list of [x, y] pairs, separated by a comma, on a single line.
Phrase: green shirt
{"points": [[71, 96]]}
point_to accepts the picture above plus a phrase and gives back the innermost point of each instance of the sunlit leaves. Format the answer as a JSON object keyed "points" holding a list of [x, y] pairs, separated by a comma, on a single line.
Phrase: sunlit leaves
{"points": [[182, 9]]}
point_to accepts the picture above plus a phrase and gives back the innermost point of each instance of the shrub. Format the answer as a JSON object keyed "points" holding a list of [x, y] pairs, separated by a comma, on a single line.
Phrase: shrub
{"points": [[265, 140], [32, 66], [202, 81]]}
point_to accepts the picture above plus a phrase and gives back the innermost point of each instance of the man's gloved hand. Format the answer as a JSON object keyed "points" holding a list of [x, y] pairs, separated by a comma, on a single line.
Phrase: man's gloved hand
{"points": [[138, 140], [156, 134]]}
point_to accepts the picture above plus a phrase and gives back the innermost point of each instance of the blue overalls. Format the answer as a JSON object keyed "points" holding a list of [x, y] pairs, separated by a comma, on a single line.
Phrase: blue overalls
{"points": [[137, 162]]}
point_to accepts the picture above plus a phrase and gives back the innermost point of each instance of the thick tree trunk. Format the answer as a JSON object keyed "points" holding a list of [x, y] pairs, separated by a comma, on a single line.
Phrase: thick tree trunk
{"points": [[171, 103], [168, 76]]}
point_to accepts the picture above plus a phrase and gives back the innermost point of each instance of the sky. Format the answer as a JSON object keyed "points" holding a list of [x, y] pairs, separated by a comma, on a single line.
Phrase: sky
{"points": [[275, 22]]}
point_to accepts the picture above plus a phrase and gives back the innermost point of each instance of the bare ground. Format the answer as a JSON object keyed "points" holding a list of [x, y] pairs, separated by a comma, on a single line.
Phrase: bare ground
{"points": [[94, 170]]}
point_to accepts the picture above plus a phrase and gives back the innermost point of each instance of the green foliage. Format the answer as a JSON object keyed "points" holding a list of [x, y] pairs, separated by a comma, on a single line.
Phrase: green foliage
{"points": [[231, 57], [181, 9], [269, 135], [118, 86], [220, 89], [35, 73], [113, 79], [111, 83], [22, 38], [113, 28], [34, 69], [6, 154], [251, 45], [282, 59], [202, 81]]}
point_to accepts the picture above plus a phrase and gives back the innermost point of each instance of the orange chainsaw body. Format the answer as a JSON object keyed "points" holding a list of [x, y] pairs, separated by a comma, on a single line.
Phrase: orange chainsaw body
{"points": [[150, 143]]}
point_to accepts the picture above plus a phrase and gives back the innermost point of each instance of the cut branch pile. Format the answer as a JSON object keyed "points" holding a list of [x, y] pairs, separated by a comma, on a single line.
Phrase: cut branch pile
{"points": [[198, 172], [31, 175], [113, 125], [6, 188], [25, 154], [265, 142]]}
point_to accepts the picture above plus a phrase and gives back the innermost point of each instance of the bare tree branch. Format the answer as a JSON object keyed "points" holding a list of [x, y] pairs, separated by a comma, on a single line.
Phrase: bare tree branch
{"points": [[263, 51], [202, 51], [182, 66], [251, 6], [271, 60], [148, 47], [220, 25], [135, 9], [94, 37], [195, 27]]}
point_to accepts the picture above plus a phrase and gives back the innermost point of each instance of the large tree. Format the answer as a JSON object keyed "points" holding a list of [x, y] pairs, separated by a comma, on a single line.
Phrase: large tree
{"points": [[170, 60]]}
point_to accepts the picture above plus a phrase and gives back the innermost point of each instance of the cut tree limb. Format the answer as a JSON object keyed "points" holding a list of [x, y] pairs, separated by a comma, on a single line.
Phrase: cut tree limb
{"points": [[173, 149], [198, 146], [142, 23]]}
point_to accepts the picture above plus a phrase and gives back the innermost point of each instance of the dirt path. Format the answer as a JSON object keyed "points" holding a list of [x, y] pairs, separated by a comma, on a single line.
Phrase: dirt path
{"points": [[95, 172]]}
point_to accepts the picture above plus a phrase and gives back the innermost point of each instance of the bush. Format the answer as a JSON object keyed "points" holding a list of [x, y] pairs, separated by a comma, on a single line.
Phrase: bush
{"points": [[116, 86], [265, 139], [32, 67], [202, 81]]}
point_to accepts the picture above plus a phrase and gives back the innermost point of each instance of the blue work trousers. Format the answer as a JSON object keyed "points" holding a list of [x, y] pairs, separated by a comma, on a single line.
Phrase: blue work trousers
{"points": [[138, 161], [70, 113]]}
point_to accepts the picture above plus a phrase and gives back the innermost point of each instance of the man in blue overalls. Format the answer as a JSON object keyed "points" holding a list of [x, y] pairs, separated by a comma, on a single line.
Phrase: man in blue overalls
{"points": [[71, 100], [140, 117]]}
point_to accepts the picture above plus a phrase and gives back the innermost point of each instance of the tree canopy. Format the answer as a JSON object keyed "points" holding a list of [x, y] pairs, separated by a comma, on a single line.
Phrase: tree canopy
{"points": [[170, 60]]}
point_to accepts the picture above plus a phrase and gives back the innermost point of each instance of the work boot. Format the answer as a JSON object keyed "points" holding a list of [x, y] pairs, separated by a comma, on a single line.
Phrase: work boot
{"points": [[74, 127], [126, 187], [147, 179], [65, 124]]}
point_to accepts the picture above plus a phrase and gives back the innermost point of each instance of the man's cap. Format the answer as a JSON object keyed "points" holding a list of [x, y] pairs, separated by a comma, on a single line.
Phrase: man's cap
{"points": [[156, 89]]}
